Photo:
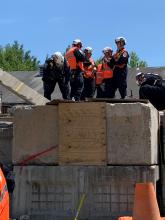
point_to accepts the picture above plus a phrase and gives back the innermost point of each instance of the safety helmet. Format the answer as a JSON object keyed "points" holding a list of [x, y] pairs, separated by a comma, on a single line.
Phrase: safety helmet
{"points": [[120, 39], [88, 49], [139, 78], [57, 54], [107, 49], [77, 41]]}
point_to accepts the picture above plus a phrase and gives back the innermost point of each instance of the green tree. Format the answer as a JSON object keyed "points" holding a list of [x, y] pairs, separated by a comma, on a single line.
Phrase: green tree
{"points": [[98, 61], [13, 57], [135, 61]]}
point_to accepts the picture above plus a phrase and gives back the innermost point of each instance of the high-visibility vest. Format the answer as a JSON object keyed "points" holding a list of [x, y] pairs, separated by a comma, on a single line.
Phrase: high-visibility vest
{"points": [[108, 72], [117, 55], [72, 59], [99, 74], [4, 198], [88, 71]]}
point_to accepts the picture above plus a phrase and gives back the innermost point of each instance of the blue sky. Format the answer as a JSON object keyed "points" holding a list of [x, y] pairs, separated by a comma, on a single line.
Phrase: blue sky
{"points": [[46, 26]]}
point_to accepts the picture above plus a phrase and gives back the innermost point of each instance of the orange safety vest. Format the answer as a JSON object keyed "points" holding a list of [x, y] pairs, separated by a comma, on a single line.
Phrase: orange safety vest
{"points": [[72, 59], [99, 74], [108, 72], [88, 71], [117, 55], [4, 198]]}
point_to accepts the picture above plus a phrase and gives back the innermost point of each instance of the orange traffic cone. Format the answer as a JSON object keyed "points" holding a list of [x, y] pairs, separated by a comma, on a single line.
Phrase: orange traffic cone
{"points": [[125, 218], [145, 204]]}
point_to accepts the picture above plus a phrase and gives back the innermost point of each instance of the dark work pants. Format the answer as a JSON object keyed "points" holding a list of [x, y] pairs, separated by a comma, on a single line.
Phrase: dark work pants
{"points": [[49, 87], [100, 90], [155, 94], [108, 88], [89, 88], [119, 81], [77, 84]]}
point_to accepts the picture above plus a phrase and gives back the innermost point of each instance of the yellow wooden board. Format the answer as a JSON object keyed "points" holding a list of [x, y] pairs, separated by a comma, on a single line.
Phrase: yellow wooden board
{"points": [[82, 133]]}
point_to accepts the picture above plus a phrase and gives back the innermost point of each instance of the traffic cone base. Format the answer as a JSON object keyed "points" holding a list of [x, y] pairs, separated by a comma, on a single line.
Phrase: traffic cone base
{"points": [[131, 218], [125, 218], [145, 204]]}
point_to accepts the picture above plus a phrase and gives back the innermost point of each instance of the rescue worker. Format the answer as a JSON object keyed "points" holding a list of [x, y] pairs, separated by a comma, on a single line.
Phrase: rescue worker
{"points": [[4, 198], [75, 58], [104, 75], [100, 87], [152, 87], [56, 70], [89, 75], [119, 64]]}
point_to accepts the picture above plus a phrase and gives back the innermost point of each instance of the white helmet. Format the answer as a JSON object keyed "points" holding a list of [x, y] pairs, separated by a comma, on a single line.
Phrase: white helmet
{"points": [[58, 58], [89, 49], [77, 41], [107, 49], [58, 54], [120, 39], [139, 78]]}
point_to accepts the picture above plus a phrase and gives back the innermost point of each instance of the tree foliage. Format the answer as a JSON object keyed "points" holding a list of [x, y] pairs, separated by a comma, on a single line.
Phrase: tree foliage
{"points": [[13, 57], [135, 61], [98, 61]]}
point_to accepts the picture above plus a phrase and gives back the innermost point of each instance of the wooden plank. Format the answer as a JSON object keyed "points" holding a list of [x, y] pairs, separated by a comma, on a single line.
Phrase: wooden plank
{"points": [[82, 133]]}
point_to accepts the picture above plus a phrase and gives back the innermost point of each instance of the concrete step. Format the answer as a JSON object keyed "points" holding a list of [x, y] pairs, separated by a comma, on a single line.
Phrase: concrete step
{"points": [[54, 192]]}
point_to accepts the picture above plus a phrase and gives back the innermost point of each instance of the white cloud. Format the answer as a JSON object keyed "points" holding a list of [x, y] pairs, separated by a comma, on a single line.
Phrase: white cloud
{"points": [[7, 21]]}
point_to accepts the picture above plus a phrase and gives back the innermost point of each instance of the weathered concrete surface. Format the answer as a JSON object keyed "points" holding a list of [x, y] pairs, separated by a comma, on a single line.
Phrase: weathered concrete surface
{"points": [[132, 134], [6, 117], [54, 192], [162, 133], [162, 190], [0, 102], [6, 142], [21, 89], [35, 131]]}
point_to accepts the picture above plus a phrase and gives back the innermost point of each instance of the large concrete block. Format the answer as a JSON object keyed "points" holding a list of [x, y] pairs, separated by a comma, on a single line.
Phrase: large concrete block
{"points": [[6, 117], [162, 190], [6, 142], [132, 134], [35, 132], [54, 192], [162, 135]]}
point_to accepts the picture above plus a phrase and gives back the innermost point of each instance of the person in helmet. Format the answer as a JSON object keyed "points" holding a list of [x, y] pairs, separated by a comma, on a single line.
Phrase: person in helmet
{"points": [[104, 75], [119, 64], [152, 87], [89, 74], [56, 70], [75, 58]]}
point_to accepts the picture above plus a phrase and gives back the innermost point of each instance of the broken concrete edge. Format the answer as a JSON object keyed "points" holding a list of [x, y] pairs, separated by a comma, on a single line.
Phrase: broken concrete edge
{"points": [[21, 90]]}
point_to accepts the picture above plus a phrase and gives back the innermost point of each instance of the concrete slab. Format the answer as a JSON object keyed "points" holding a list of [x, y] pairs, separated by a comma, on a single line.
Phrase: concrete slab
{"points": [[35, 132], [163, 187], [132, 134], [21, 89], [54, 192], [6, 142], [162, 133]]}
